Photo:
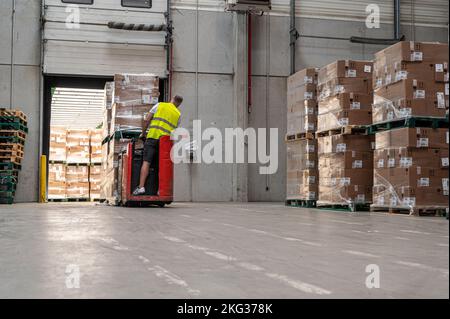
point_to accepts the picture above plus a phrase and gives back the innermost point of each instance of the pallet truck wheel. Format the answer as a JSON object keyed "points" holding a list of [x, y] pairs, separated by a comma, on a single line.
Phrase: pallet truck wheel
{"points": [[161, 205]]}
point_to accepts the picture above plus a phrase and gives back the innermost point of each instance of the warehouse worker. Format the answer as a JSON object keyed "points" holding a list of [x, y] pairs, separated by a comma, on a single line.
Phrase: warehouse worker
{"points": [[161, 121]]}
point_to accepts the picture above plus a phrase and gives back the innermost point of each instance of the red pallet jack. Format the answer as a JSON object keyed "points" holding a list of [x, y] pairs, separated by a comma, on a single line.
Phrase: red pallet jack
{"points": [[159, 186]]}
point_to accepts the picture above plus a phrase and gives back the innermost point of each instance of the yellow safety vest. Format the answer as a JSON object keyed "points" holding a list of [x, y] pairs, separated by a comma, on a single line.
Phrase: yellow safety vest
{"points": [[164, 121]]}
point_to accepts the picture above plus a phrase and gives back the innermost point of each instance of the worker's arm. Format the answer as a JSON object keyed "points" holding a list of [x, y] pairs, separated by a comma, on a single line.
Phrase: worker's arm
{"points": [[146, 121]]}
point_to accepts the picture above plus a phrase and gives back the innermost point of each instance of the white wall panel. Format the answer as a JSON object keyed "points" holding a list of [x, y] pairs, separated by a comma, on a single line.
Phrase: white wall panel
{"points": [[94, 49]]}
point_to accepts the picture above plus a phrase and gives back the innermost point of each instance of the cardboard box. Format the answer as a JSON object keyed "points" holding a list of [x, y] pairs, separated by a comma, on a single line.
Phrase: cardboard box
{"points": [[302, 184], [406, 157], [413, 52], [77, 174], [56, 190], [344, 85], [409, 197], [345, 142], [77, 189], [346, 160], [135, 89], [345, 102], [345, 69], [128, 117], [336, 119], [302, 77], [302, 117], [412, 137], [58, 140]]}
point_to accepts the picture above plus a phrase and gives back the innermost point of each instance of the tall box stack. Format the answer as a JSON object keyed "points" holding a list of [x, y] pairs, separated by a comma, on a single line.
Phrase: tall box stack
{"points": [[134, 95], [96, 146], [77, 181], [58, 141], [56, 181], [301, 146], [107, 108], [78, 146], [94, 181], [410, 106], [345, 151]]}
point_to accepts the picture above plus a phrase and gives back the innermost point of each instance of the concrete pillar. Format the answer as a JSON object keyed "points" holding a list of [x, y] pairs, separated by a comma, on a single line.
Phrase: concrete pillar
{"points": [[240, 113]]}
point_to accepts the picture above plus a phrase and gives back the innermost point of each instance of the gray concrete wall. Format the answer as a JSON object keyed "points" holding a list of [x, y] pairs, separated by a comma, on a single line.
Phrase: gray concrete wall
{"points": [[24, 92], [270, 67]]}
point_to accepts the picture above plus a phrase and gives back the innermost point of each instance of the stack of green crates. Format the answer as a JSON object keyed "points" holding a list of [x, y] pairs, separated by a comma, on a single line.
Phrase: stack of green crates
{"points": [[13, 131]]}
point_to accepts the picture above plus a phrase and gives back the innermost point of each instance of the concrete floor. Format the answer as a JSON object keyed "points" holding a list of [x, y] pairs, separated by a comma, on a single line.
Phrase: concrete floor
{"points": [[218, 250]]}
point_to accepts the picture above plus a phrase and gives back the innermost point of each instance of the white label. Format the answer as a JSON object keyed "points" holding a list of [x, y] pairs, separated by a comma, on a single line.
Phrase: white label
{"points": [[444, 161], [308, 79], [311, 179], [310, 164], [310, 148], [379, 82], [445, 184], [406, 162], [406, 111], [380, 163], [401, 75], [419, 94], [351, 73], [339, 89], [367, 68], [355, 106], [357, 164], [422, 142], [309, 110], [145, 99], [341, 147], [343, 121], [310, 127], [345, 181], [154, 100], [440, 100], [308, 95], [446, 77], [116, 99], [416, 56], [423, 182], [380, 200], [446, 88], [390, 115], [439, 67], [333, 181], [391, 162]]}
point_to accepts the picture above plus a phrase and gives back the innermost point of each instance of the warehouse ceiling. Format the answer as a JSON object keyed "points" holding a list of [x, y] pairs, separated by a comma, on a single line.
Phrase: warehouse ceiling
{"points": [[77, 108]]}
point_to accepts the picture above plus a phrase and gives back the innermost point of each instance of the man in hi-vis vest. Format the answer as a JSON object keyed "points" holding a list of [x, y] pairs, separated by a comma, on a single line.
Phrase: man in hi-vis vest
{"points": [[162, 120]]}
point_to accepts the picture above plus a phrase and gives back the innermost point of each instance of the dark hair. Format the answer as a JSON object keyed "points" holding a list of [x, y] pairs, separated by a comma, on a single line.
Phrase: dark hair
{"points": [[178, 99]]}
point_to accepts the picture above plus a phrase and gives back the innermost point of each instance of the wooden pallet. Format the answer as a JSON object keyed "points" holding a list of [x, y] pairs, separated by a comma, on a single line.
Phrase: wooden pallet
{"points": [[11, 146], [13, 126], [414, 211], [345, 130], [350, 207], [12, 139], [13, 113], [11, 153], [56, 162], [9, 166], [299, 136], [306, 203], [411, 122], [11, 159], [8, 173], [6, 200], [13, 133]]}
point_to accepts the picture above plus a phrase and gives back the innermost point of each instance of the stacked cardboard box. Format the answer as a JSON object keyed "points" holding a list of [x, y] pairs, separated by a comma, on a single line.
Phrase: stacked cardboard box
{"points": [[302, 174], [411, 79], [345, 169], [58, 143], [411, 168], [345, 94], [78, 142], [96, 139], [134, 95], [107, 109], [94, 181], [345, 156], [411, 163], [56, 181], [302, 102], [77, 181]]}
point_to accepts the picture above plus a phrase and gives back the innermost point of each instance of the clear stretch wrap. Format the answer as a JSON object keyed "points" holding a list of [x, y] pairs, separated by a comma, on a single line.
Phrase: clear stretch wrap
{"points": [[302, 102], [56, 181], [78, 146], [345, 69], [302, 173], [96, 137]]}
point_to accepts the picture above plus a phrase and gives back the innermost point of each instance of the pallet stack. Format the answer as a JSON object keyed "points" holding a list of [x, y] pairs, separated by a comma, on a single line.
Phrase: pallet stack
{"points": [[410, 115], [301, 145], [133, 97], [13, 131], [344, 147]]}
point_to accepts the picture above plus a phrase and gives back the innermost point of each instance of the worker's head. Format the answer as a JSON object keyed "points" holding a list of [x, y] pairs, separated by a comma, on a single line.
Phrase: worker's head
{"points": [[177, 100]]}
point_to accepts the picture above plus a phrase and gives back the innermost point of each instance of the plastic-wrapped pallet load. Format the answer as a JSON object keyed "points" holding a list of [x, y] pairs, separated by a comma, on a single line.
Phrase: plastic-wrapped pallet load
{"points": [[411, 79], [345, 94], [302, 102], [57, 181], [78, 142], [411, 170], [77, 181], [345, 169], [94, 181], [58, 141], [345, 154]]}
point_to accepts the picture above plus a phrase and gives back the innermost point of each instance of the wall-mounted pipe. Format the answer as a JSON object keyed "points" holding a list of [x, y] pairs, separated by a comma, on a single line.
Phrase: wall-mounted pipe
{"points": [[249, 62], [396, 19], [293, 33]]}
